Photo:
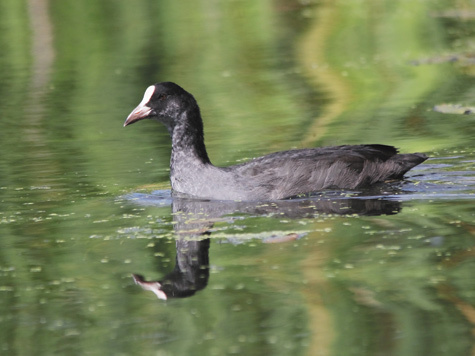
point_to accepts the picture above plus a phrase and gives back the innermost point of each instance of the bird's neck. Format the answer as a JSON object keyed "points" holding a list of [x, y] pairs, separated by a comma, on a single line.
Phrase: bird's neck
{"points": [[188, 141]]}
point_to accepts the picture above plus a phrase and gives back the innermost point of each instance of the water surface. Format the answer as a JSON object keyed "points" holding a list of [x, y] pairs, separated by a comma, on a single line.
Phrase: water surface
{"points": [[86, 203]]}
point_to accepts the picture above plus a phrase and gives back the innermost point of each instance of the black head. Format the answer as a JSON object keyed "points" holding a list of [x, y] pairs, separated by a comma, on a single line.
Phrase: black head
{"points": [[164, 101]]}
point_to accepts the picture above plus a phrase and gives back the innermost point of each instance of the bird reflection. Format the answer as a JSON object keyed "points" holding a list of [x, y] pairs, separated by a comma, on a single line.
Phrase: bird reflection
{"points": [[193, 220], [190, 274]]}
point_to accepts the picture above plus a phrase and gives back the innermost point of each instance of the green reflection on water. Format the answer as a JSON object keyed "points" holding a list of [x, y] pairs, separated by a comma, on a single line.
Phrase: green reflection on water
{"points": [[269, 76]]}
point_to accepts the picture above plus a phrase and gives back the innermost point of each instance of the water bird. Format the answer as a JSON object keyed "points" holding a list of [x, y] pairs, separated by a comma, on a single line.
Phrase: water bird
{"points": [[271, 177]]}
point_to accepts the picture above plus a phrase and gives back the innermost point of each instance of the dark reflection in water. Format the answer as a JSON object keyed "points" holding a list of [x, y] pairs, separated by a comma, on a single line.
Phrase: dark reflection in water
{"points": [[191, 272], [193, 220]]}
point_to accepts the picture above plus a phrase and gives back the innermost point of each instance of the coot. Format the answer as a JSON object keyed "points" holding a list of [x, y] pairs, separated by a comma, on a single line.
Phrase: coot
{"points": [[275, 176]]}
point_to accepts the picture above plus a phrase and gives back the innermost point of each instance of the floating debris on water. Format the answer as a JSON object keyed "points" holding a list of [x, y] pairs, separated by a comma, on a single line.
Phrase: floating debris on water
{"points": [[454, 109]]}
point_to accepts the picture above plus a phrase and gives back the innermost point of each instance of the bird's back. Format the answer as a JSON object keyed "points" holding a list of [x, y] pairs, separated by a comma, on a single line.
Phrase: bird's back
{"points": [[289, 173]]}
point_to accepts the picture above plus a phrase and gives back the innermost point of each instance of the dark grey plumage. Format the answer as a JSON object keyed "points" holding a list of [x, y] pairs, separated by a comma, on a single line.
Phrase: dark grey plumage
{"points": [[275, 176]]}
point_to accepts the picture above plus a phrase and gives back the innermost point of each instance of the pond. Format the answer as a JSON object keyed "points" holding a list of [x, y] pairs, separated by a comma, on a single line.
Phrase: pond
{"points": [[89, 225]]}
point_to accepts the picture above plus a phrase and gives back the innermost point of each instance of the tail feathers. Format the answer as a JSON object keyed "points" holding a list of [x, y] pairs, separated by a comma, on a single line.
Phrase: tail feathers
{"points": [[405, 162]]}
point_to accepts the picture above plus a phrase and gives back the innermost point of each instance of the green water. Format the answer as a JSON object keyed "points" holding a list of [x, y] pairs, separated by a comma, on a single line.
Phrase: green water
{"points": [[85, 203]]}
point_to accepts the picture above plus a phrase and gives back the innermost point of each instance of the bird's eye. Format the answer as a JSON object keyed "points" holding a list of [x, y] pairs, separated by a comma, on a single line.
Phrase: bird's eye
{"points": [[162, 96]]}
